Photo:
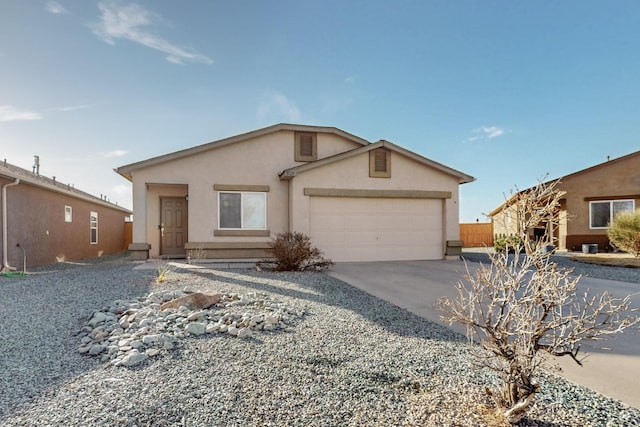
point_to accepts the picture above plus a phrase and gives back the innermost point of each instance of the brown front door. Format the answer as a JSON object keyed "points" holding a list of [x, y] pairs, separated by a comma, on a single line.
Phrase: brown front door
{"points": [[173, 226]]}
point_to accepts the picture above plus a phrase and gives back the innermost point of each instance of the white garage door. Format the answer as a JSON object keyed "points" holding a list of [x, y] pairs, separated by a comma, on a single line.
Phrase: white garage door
{"points": [[368, 229]]}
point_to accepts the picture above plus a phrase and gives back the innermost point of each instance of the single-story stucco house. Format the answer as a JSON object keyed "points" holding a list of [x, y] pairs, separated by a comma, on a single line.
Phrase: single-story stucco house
{"points": [[593, 197], [358, 201], [46, 221]]}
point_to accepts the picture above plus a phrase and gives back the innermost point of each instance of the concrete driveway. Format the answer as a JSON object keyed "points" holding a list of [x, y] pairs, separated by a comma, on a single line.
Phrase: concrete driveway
{"points": [[418, 285]]}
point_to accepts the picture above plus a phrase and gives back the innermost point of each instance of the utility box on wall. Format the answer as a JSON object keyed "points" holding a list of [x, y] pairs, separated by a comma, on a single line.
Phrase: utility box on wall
{"points": [[454, 248]]}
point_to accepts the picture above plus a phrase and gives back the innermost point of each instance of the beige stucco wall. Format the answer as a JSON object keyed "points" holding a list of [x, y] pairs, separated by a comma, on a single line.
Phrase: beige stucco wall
{"points": [[504, 223], [251, 162], [353, 173]]}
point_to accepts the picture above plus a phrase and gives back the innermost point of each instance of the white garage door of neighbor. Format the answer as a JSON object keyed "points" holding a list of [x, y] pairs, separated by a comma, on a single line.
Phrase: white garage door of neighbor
{"points": [[369, 229]]}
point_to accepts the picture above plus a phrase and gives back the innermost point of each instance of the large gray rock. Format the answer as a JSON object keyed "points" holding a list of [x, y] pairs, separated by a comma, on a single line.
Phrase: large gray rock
{"points": [[244, 333], [98, 317], [134, 358], [196, 328], [96, 349]]}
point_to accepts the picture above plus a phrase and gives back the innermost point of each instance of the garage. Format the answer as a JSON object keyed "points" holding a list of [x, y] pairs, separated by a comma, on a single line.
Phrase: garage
{"points": [[377, 229]]}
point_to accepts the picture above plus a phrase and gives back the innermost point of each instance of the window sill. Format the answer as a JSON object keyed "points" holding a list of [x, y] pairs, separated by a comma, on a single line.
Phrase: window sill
{"points": [[245, 233]]}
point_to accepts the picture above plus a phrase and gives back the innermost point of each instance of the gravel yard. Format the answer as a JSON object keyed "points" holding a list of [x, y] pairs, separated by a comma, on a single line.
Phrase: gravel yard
{"points": [[623, 274], [350, 360]]}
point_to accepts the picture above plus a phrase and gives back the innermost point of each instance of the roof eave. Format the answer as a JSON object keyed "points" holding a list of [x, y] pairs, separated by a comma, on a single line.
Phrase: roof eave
{"points": [[127, 170], [461, 177], [59, 188]]}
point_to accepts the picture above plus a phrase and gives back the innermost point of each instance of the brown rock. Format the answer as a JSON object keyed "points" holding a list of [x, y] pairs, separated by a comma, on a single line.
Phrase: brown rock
{"points": [[194, 301]]}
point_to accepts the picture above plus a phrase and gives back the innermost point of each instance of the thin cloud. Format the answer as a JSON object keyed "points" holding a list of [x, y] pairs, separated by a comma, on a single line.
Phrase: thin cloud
{"points": [[114, 153], [277, 107], [491, 131], [9, 113], [129, 22], [55, 8], [486, 133], [73, 107]]}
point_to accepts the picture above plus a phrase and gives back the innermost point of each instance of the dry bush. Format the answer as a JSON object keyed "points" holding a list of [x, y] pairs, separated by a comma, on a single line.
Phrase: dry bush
{"points": [[624, 232], [523, 307], [292, 251], [196, 255]]}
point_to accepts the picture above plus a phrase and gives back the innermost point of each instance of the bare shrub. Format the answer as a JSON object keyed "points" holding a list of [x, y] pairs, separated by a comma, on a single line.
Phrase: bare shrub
{"points": [[196, 254], [624, 232], [523, 308], [292, 251]]}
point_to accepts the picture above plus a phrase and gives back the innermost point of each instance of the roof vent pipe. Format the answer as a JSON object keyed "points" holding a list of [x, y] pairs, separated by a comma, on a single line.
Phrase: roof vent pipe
{"points": [[5, 237], [36, 165]]}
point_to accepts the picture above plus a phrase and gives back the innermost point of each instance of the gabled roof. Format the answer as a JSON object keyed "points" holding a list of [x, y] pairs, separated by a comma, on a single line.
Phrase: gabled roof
{"points": [[25, 176], [607, 163], [292, 172], [604, 164], [126, 170]]}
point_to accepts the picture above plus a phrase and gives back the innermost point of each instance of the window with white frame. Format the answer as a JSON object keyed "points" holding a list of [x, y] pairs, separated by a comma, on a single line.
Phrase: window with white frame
{"points": [[242, 210], [602, 212], [93, 228], [68, 214]]}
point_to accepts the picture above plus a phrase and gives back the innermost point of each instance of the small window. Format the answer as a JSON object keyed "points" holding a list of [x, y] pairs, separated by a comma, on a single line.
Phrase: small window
{"points": [[380, 163], [601, 213], [306, 149], [68, 214], [242, 210], [93, 228]]}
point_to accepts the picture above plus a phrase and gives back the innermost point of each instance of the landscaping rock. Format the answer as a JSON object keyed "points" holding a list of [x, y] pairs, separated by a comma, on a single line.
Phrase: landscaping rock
{"points": [[98, 317], [133, 358], [196, 328], [127, 333], [194, 301]]}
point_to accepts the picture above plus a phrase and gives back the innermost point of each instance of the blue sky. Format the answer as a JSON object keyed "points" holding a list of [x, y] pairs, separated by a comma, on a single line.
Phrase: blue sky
{"points": [[506, 91]]}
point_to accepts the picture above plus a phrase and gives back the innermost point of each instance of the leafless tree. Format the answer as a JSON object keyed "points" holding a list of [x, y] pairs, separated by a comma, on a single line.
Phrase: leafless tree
{"points": [[522, 308]]}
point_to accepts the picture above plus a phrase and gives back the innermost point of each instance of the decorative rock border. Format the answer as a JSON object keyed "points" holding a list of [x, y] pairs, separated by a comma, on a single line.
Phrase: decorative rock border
{"points": [[128, 332]]}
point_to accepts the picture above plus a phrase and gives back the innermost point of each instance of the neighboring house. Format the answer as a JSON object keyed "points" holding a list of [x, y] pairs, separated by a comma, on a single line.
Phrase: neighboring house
{"points": [[593, 197], [358, 201], [54, 222]]}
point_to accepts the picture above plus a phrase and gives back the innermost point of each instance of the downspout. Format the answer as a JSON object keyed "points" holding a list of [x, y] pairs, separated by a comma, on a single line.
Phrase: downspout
{"points": [[5, 237]]}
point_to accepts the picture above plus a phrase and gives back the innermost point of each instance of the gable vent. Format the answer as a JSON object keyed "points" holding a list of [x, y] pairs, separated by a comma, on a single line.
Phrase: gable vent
{"points": [[306, 149], [306, 145], [380, 161]]}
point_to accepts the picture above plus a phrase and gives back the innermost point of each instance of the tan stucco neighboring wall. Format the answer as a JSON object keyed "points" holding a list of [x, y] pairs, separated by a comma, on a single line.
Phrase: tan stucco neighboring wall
{"points": [[36, 221], [353, 173], [620, 178], [254, 162]]}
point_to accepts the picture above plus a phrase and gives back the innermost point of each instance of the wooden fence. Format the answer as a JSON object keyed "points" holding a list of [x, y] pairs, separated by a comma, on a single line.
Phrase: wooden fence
{"points": [[128, 235], [477, 234]]}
